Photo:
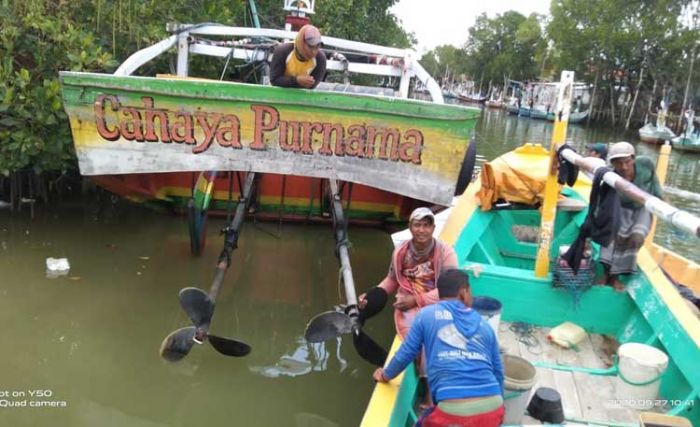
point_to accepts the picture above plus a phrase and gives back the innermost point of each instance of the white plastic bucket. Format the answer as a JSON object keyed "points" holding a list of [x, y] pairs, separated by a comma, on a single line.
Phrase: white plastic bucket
{"points": [[640, 368], [489, 309], [519, 378]]}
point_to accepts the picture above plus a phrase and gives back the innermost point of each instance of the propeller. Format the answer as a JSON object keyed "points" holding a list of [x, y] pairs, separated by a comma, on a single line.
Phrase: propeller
{"points": [[199, 305], [332, 324]]}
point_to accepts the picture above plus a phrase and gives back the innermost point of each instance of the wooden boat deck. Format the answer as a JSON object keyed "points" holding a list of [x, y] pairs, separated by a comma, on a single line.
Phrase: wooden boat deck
{"points": [[584, 396]]}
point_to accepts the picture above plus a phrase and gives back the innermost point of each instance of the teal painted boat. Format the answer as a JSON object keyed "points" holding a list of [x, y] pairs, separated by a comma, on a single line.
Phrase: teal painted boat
{"points": [[501, 260], [689, 140]]}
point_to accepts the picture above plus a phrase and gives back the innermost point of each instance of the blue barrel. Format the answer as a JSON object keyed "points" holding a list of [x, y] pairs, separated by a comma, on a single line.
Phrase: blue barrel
{"points": [[489, 309]]}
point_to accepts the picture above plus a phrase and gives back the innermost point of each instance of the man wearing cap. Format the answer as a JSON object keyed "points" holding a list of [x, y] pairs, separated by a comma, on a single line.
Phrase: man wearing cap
{"points": [[596, 155], [464, 364], [413, 272], [301, 63], [598, 150], [620, 256]]}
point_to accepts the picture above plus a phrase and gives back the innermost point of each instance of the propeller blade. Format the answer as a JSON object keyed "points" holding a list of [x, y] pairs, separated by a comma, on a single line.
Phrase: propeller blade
{"points": [[368, 349], [229, 347], [176, 345], [197, 305], [328, 325]]}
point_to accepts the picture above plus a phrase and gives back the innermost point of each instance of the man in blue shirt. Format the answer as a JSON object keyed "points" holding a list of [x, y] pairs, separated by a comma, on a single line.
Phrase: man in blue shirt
{"points": [[465, 371]]}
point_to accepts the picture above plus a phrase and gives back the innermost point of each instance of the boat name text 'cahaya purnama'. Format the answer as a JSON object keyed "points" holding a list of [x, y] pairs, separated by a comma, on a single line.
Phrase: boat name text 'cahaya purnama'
{"points": [[360, 140]]}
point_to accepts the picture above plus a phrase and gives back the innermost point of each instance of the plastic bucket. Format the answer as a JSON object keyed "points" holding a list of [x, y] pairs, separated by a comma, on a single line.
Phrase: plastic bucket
{"points": [[640, 368], [489, 309], [519, 378]]}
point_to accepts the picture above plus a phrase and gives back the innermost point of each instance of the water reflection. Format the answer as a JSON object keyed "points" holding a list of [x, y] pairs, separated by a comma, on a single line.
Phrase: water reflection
{"points": [[304, 359]]}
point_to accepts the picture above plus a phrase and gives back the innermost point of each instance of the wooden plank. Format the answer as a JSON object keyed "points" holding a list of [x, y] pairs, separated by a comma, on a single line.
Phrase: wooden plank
{"points": [[507, 339], [563, 381], [544, 376], [597, 393], [398, 145]]}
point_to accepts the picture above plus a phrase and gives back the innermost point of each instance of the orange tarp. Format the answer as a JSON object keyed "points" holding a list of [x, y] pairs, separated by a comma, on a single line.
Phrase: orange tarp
{"points": [[517, 177]]}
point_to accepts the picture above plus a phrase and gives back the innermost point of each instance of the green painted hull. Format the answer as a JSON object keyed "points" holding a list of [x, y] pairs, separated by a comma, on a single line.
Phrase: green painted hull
{"points": [[638, 315], [138, 125]]}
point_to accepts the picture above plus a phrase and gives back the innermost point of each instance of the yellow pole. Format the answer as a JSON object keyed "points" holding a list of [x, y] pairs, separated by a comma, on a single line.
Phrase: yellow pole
{"points": [[661, 169], [551, 189]]}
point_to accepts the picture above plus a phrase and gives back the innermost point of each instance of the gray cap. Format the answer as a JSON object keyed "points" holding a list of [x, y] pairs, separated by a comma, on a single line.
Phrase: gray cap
{"points": [[420, 213], [619, 150]]}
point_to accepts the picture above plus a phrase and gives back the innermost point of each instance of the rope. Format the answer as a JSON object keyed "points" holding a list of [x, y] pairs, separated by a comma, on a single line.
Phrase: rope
{"points": [[525, 333]]}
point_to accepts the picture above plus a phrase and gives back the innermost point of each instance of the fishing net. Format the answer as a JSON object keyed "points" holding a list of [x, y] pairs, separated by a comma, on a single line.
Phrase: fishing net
{"points": [[576, 284]]}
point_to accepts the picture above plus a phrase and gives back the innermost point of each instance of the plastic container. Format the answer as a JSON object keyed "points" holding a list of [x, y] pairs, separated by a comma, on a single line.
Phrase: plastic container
{"points": [[640, 368], [567, 334], [489, 309], [519, 378], [546, 406]]}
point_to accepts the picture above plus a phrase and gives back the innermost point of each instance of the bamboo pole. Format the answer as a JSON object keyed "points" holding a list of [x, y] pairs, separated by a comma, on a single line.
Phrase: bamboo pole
{"points": [[661, 169], [678, 218], [687, 84], [634, 101], [612, 102], [595, 88], [551, 189]]}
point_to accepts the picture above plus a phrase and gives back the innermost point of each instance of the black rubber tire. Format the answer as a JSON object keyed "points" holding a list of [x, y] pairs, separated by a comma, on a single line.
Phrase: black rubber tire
{"points": [[467, 170], [197, 228]]}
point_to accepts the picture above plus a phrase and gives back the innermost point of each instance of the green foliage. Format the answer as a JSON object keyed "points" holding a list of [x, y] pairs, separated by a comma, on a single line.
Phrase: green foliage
{"points": [[616, 38], [508, 45], [36, 41]]}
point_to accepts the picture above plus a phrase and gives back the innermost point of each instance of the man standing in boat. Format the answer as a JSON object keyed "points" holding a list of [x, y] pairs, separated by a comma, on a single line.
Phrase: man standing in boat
{"points": [[620, 256], [464, 365], [301, 63], [414, 270]]}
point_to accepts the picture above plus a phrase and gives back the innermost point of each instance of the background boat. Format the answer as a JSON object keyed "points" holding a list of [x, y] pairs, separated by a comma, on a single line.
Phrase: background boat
{"points": [[689, 139]]}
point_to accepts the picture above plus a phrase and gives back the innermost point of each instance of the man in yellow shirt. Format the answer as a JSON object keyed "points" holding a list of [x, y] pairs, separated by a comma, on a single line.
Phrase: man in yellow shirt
{"points": [[301, 63]]}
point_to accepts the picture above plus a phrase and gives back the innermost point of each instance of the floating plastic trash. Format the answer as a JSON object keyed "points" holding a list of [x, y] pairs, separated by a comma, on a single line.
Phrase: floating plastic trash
{"points": [[56, 267]]}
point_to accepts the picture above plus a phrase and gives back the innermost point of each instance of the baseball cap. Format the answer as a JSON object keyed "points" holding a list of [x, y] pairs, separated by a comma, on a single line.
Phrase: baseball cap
{"points": [[619, 150], [599, 148], [420, 213], [312, 36]]}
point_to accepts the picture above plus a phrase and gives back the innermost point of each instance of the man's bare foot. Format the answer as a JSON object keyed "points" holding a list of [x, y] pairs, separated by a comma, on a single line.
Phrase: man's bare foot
{"points": [[603, 280], [618, 285]]}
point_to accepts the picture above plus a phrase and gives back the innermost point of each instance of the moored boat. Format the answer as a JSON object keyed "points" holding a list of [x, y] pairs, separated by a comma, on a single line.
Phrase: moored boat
{"points": [[147, 138], [689, 139], [655, 133], [499, 246]]}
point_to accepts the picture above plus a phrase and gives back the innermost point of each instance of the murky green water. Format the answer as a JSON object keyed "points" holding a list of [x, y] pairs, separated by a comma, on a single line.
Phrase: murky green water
{"points": [[90, 339]]}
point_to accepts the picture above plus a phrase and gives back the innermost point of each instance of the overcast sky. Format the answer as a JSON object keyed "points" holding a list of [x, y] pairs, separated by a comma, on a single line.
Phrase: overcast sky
{"points": [[439, 22]]}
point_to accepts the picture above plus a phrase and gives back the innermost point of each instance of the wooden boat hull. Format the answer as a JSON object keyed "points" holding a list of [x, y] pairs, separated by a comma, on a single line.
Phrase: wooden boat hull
{"points": [[651, 311], [574, 117], [650, 133], [149, 134], [685, 143], [287, 197]]}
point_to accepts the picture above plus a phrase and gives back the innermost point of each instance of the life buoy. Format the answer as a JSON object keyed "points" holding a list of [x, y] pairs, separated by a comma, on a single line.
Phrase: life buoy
{"points": [[465, 173]]}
